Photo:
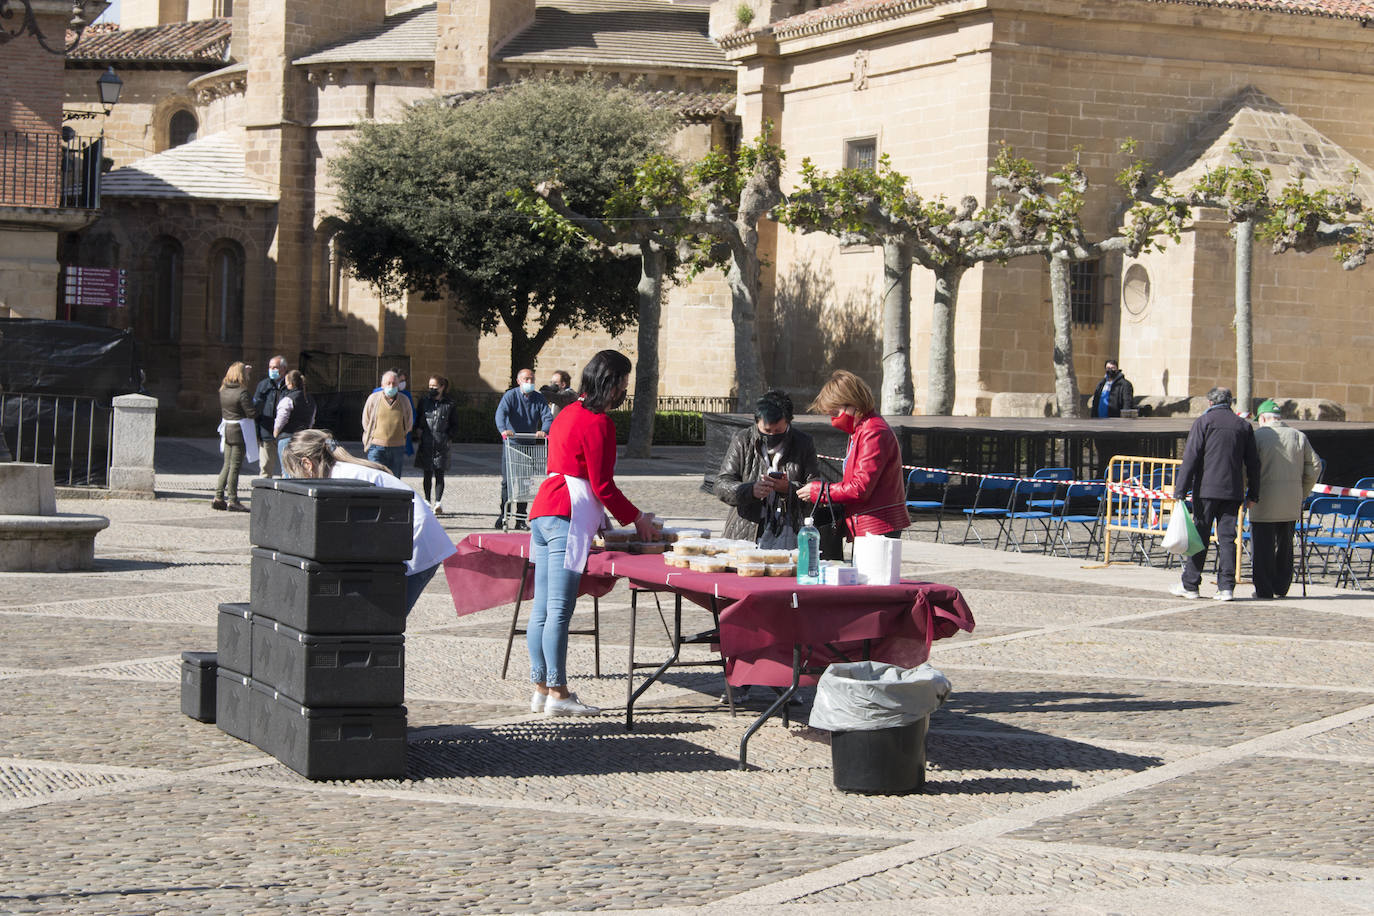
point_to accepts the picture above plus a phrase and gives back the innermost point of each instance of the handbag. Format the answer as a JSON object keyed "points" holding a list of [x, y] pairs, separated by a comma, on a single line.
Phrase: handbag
{"points": [[829, 521]]}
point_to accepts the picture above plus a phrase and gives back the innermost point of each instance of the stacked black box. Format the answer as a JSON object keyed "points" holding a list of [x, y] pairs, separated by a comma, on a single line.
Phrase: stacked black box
{"points": [[313, 670]]}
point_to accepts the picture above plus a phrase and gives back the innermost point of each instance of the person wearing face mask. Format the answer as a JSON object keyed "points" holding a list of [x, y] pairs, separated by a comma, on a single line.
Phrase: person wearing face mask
{"points": [[871, 492], [435, 421], [266, 398], [525, 411], [1113, 394], [765, 466], [569, 509], [388, 418]]}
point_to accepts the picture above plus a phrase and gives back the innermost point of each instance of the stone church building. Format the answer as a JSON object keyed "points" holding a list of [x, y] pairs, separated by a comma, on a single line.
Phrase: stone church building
{"points": [[221, 206]]}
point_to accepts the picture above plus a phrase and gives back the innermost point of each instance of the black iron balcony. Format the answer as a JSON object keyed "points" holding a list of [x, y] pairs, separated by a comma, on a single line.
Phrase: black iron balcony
{"points": [[46, 170]]}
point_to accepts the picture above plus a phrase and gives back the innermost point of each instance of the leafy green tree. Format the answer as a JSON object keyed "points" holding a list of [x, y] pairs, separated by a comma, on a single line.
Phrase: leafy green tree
{"points": [[428, 208], [879, 207], [1054, 206], [1295, 218]]}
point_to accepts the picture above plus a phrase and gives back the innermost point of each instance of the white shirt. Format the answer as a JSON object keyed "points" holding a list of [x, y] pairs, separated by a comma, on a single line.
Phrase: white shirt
{"points": [[432, 543]]}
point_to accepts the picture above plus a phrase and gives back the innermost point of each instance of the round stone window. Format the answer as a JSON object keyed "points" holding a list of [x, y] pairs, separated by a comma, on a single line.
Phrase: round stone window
{"points": [[1135, 290]]}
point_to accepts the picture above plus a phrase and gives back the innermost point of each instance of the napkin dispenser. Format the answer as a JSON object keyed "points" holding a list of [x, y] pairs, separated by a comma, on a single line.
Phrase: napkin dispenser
{"points": [[878, 559]]}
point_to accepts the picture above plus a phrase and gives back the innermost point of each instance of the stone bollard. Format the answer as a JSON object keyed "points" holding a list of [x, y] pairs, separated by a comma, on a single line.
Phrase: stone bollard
{"points": [[33, 536], [131, 451]]}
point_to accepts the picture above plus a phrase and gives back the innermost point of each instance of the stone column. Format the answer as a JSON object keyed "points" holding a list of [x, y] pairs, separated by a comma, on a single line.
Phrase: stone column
{"points": [[131, 451]]}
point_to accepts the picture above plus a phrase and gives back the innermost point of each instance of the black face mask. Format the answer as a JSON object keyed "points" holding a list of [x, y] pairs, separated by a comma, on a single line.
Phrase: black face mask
{"points": [[434, 392], [1113, 373], [773, 440]]}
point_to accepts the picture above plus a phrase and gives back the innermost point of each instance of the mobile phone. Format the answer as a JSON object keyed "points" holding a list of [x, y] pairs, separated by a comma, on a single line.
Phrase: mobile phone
{"points": [[776, 475]]}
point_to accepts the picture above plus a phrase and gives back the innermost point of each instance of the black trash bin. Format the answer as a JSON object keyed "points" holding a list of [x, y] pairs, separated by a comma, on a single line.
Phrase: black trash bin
{"points": [[886, 761], [878, 715]]}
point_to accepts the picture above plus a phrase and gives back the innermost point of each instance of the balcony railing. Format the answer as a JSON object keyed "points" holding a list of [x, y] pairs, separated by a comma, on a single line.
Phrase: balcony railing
{"points": [[44, 170]]}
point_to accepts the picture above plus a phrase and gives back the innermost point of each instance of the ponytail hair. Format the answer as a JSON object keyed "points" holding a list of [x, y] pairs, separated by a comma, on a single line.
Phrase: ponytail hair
{"points": [[323, 451]]}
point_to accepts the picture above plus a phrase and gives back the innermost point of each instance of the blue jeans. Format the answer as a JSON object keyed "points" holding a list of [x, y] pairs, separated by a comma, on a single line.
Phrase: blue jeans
{"points": [[415, 584], [391, 457], [555, 598]]}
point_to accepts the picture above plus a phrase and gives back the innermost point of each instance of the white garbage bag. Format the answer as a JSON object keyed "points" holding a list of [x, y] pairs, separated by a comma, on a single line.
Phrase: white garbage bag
{"points": [[867, 696]]}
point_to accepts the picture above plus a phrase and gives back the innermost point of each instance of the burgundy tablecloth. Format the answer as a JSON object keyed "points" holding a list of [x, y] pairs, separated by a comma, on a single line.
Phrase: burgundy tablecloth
{"points": [[760, 618]]}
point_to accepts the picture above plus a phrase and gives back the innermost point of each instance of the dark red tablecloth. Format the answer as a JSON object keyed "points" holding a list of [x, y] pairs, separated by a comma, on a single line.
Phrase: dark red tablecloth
{"points": [[761, 619]]}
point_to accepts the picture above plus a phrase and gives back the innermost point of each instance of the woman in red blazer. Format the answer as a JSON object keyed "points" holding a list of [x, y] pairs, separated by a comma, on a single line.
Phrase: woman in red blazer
{"points": [[568, 511], [871, 492]]}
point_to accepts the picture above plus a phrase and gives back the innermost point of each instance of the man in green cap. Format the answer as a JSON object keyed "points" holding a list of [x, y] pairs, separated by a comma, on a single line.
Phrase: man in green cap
{"points": [[1288, 469]]}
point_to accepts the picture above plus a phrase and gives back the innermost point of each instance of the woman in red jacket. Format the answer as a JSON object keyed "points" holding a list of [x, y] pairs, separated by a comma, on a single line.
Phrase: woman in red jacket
{"points": [[570, 508], [872, 492]]}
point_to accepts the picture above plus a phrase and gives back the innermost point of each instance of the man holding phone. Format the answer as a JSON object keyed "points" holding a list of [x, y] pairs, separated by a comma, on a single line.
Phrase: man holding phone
{"points": [[763, 468]]}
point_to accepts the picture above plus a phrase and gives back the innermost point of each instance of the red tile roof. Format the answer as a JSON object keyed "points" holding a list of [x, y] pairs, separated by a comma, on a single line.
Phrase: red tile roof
{"points": [[205, 41], [847, 12]]}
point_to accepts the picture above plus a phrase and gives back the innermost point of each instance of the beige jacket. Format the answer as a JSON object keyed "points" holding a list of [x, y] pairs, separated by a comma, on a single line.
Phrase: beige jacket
{"points": [[386, 423], [1288, 469]]}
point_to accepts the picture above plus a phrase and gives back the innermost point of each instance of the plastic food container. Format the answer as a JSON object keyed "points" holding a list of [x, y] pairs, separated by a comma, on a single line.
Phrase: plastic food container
{"points": [[782, 569], [647, 547], [751, 569], [674, 558], [710, 564], [691, 546]]}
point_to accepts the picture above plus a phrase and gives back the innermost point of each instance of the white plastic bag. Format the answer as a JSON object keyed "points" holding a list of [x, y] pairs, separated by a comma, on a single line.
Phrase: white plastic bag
{"points": [[1176, 535], [878, 559], [867, 696]]}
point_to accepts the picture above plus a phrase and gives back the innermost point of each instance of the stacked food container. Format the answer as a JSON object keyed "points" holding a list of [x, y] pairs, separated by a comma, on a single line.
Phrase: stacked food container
{"points": [[312, 670]]}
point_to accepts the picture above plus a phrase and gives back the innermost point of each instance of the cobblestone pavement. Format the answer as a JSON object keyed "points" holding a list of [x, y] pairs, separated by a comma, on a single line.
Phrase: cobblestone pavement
{"points": [[1108, 748]]}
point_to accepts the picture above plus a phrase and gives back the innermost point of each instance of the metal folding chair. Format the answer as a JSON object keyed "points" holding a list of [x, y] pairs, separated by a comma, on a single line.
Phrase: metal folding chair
{"points": [[990, 490], [919, 484], [1026, 494], [1076, 496]]}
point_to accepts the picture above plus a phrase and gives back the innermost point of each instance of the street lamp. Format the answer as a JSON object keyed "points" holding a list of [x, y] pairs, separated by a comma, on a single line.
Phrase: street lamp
{"points": [[28, 22], [109, 85]]}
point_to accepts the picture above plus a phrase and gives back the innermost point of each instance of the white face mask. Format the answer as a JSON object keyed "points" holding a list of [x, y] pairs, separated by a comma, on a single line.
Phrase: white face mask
{"points": [[400, 386], [527, 387], [390, 391]]}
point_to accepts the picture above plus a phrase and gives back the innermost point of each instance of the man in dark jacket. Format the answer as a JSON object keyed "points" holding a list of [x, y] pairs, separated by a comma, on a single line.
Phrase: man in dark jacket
{"points": [[1112, 394], [265, 399], [1221, 467], [765, 508]]}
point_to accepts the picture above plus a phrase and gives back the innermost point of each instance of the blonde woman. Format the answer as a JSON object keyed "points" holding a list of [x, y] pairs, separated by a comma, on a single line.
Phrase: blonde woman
{"points": [[872, 492], [235, 404], [314, 453]]}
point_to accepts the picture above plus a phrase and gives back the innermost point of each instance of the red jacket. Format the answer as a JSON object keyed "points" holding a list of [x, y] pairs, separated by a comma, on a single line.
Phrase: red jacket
{"points": [[872, 491], [582, 444]]}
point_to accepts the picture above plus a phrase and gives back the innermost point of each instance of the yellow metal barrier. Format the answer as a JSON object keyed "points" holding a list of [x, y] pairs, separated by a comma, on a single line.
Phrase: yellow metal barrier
{"points": [[1136, 510]]}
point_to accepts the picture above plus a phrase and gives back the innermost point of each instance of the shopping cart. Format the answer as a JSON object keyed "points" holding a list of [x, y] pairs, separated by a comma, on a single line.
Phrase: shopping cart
{"points": [[524, 465]]}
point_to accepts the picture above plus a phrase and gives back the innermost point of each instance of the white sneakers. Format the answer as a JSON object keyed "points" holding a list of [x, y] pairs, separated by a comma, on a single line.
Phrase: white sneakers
{"points": [[572, 706], [550, 705], [1179, 589], [438, 508]]}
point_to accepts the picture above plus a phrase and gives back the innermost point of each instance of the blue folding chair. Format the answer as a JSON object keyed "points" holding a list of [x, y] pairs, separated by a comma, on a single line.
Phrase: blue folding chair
{"points": [[989, 502], [1079, 495], [920, 484], [1359, 536], [1026, 494], [1325, 530], [1054, 503]]}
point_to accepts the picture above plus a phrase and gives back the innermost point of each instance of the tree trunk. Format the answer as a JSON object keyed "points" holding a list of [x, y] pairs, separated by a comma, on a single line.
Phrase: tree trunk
{"points": [[524, 351], [1061, 310], [1245, 341], [646, 367], [743, 277], [940, 391], [898, 397]]}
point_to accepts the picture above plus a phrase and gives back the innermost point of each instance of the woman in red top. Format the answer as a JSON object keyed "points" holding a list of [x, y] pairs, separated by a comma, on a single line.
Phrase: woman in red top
{"points": [[570, 508], [871, 492]]}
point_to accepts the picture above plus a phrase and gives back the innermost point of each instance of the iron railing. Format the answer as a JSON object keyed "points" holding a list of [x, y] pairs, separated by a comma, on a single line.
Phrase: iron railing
{"points": [[72, 433], [44, 170]]}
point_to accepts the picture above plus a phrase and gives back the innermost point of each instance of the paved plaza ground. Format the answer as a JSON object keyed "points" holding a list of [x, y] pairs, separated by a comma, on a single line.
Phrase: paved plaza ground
{"points": [[1107, 748]]}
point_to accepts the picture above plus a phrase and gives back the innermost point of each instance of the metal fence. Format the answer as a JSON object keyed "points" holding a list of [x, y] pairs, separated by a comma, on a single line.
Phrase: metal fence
{"points": [[71, 433], [41, 169]]}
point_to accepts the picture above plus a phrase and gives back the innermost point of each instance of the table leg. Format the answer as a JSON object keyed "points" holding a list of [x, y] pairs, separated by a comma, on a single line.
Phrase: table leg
{"points": [[515, 617], [637, 692], [780, 703]]}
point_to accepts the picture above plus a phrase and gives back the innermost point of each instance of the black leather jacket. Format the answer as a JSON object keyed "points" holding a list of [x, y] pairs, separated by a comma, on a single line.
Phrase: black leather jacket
{"points": [[745, 463]]}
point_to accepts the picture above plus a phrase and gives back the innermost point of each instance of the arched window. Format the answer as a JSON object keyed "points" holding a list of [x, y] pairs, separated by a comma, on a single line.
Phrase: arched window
{"points": [[224, 312], [181, 128], [166, 299]]}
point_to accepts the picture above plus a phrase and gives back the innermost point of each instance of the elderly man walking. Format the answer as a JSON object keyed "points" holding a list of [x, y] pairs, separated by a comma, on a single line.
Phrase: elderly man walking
{"points": [[522, 410], [266, 399], [387, 421], [1221, 467], [1288, 469]]}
